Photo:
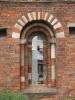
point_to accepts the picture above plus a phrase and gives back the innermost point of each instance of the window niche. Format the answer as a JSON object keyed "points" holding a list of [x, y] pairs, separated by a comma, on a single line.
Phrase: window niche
{"points": [[3, 32], [72, 30]]}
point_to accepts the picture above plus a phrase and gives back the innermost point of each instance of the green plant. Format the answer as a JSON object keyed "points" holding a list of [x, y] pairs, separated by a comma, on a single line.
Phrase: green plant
{"points": [[65, 98], [68, 98], [9, 95], [73, 98]]}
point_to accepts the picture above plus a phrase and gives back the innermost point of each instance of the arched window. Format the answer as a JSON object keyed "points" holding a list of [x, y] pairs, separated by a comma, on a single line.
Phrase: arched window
{"points": [[37, 55], [38, 64]]}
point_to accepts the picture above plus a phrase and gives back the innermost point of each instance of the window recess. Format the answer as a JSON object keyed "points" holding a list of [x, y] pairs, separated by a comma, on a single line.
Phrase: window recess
{"points": [[72, 30], [3, 32]]}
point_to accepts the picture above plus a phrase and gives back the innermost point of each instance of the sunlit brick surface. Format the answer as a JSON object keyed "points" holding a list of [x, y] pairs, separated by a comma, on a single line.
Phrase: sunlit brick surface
{"points": [[65, 46]]}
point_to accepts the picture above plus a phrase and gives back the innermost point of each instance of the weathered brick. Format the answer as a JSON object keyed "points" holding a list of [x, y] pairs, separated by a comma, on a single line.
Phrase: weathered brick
{"points": [[65, 48]]}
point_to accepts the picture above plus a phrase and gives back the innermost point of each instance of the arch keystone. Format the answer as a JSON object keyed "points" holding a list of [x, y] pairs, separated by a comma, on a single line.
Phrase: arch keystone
{"points": [[39, 15], [34, 15], [46, 15], [29, 16]]}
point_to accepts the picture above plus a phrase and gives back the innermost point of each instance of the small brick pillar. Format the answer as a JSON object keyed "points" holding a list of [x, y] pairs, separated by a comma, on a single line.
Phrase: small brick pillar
{"points": [[22, 45], [49, 65], [53, 61]]}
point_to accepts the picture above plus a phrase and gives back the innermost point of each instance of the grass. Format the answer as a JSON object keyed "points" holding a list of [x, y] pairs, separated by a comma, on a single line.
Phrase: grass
{"points": [[9, 95]]}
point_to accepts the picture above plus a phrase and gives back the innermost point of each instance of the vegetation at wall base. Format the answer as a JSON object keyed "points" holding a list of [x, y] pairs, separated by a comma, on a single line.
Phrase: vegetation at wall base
{"points": [[9, 95], [68, 98]]}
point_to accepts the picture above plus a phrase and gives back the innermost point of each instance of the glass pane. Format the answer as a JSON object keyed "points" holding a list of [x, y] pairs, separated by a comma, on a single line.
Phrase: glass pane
{"points": [[37, 59]]}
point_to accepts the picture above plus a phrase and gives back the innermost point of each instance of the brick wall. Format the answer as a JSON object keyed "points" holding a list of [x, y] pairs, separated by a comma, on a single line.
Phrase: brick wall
{"points": [[9, 64], [10, 48]]}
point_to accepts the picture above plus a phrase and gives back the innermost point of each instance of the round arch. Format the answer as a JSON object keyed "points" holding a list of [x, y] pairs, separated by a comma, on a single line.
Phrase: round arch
{"points": [[33, 16], [35, 27], [49, 51]]}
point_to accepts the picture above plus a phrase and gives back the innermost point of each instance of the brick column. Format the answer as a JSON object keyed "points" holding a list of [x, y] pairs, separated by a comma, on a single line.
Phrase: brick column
{"points": [[29, 63], [22, 43], [45, 48], [26, 63], [53, 61], [49, 65]]}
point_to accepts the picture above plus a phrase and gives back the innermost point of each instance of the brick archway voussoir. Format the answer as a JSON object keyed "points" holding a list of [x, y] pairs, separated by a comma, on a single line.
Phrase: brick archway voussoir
{"points": [[54, 22]]}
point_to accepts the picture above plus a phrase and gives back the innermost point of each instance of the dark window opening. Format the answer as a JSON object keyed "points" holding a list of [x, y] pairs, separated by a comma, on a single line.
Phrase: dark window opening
{"points": [[72, 30], [3, 32], [40, 70]]}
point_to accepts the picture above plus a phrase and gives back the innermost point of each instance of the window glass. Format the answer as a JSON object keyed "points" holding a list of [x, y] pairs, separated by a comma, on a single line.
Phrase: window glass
{"points": [[37, 60]]}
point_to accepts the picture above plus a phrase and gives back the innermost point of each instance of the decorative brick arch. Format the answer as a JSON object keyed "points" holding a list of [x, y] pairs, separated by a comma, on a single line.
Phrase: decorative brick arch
{"points": [[57, 31], [46, 16]]}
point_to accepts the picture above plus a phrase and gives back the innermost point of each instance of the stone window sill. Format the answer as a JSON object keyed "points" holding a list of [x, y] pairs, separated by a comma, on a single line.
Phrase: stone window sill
{"points": [[40, 90]]}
